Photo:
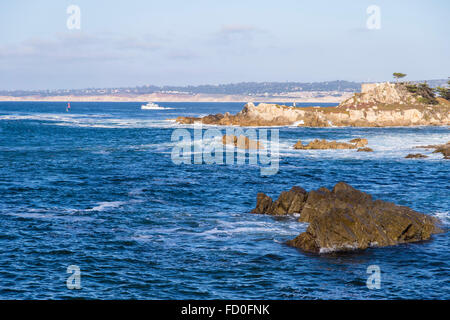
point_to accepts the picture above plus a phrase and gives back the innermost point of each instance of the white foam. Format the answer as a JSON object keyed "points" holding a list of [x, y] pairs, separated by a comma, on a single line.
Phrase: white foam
{"points": [[386, 145], [106, 205], [91, 120], [270, 228], [443, 216], [49, 213], [349, 247]]}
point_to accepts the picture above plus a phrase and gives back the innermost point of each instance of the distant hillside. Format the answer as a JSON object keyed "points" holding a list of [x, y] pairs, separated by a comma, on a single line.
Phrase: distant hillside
{"points": [[260, 88], [242, 88]]}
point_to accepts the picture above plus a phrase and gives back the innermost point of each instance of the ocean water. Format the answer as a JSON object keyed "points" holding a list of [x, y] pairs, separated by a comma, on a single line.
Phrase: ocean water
{"points": [[96, 187]]}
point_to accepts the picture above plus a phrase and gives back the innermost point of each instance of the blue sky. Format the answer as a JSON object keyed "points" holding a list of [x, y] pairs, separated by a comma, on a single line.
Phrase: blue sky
{"points": [[174, 42]]}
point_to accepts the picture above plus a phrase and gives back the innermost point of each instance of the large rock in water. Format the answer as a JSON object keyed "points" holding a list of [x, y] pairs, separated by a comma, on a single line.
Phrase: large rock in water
{"points": [[378, 105], [345, 219]]}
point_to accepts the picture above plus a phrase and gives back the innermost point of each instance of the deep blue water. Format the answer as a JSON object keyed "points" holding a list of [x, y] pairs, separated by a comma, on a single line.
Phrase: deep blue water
{"points": [[96, 187]]}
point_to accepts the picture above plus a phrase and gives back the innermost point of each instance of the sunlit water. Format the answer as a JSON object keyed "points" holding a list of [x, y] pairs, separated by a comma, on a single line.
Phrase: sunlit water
{"points": [[96, 187]]}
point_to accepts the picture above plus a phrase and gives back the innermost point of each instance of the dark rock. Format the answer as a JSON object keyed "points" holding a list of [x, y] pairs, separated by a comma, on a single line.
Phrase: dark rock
{"points": [[288, 202], [263, 203], [346, 219]]}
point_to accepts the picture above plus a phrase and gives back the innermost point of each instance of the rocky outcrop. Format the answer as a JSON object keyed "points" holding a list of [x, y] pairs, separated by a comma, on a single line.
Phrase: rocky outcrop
{"points": [[439, 148], [324, 144], [359, 142], [242, 142], [250, 115], [287, 203], [415, 156], [381, 93], [380, 105], [444, 149], [345, 219]]}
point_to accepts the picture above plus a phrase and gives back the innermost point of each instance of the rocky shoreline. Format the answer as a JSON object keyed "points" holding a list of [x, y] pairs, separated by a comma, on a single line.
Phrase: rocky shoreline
{"points": [[378, 105], [346, 219]]}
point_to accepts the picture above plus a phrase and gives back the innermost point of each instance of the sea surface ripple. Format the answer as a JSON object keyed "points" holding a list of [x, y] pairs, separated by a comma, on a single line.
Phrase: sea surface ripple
{"points": [[96, 187]]}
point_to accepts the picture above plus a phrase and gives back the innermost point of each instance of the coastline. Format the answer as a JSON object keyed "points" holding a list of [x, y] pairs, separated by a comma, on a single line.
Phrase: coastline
{"points": [[378, 105], [305, 97]]}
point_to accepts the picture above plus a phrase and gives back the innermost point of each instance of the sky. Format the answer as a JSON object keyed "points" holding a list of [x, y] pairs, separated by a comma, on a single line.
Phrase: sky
{"points": [[172, 42]]}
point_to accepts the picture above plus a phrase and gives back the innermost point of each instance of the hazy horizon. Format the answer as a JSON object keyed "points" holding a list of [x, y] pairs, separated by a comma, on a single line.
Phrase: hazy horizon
{"points": [[178, 43]]}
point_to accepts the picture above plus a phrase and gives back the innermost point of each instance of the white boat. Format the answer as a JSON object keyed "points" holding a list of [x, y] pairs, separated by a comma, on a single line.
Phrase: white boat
{"points": [[151, 106]]}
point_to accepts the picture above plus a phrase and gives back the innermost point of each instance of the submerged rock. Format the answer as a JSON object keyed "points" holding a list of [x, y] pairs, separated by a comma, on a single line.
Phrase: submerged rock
{"points": [[345, 218]]}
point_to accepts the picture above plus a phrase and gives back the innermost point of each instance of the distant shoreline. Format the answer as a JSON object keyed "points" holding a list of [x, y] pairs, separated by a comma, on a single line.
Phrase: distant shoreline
{"points": [[304, 97]]}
